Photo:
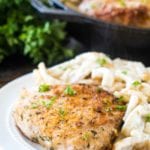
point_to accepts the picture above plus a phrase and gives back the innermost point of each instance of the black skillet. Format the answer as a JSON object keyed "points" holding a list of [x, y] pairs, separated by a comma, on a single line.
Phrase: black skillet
{"points": [[113, 39]]}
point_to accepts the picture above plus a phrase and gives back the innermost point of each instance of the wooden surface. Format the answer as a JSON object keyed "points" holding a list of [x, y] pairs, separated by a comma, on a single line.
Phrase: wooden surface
{"points": [[13, 68], [16, 66]]}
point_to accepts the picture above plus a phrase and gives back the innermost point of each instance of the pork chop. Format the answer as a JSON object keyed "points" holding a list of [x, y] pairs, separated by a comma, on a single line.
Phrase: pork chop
{"points": [[74, 117]]}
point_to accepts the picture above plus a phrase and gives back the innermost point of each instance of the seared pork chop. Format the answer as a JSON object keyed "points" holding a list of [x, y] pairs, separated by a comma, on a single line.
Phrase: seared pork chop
{"points": [[74, 117]]}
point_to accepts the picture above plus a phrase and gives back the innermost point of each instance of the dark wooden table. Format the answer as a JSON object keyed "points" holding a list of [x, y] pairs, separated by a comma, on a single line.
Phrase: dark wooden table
{"points": [[14, 67]]}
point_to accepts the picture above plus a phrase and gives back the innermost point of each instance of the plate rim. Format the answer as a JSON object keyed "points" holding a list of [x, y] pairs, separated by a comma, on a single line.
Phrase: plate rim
{"points": [[6, 121]]}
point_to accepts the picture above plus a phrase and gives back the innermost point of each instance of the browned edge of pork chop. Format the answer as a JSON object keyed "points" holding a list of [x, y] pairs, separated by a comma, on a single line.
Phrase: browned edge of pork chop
{"points": [[76, 116]]}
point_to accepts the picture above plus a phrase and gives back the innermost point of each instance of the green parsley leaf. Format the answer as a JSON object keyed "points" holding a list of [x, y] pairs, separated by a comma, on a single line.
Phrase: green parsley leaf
{"points": [[49, 103], [34, 105], [69, 91], [120, 99], [22, 31], [147, 118], [64, 68], [86, 136], [125, 72], [62, 113], [44, 88], [136, 83], [102, 61], [121, 107], [122, 3]]}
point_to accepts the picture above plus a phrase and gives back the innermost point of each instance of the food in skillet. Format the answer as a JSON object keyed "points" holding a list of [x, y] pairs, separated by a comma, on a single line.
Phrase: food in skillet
{"points": [[73, 117], [126, 12]]}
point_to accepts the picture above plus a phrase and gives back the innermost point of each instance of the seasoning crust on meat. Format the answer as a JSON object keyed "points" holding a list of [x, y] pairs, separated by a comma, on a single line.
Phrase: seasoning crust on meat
{"points": [[76, 116]]}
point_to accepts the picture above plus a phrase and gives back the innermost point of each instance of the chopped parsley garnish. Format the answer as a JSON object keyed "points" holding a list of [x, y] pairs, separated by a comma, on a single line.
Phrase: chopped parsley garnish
{"points": [[125, 72], [102, 61], [122, 3], [62, 112], [64, 68], [136, 83], [120, 99], [147, 118], [69, 91], [44, 88], [86, 136], [34, 105], [121, 107], [49, 103]]}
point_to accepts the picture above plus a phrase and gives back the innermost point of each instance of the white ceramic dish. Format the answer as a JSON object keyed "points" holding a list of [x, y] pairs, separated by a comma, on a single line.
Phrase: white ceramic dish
{"points": [[10, 137]]}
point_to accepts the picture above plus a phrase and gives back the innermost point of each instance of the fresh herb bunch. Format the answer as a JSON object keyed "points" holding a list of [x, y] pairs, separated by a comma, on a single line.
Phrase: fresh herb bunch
{"points": [[23, 32]]}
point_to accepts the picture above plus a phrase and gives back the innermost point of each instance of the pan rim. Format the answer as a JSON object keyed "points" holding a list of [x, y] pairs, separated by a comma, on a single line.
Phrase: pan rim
{"points": [[100, 21]]}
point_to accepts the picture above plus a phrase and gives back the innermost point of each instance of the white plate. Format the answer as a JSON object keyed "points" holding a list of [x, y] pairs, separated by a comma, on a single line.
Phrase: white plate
{"points": [[10, 138]]}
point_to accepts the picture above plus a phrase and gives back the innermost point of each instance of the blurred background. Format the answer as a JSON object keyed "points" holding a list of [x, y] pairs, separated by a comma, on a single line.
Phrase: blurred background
{"points": [[26, 39], [53, 33]]}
